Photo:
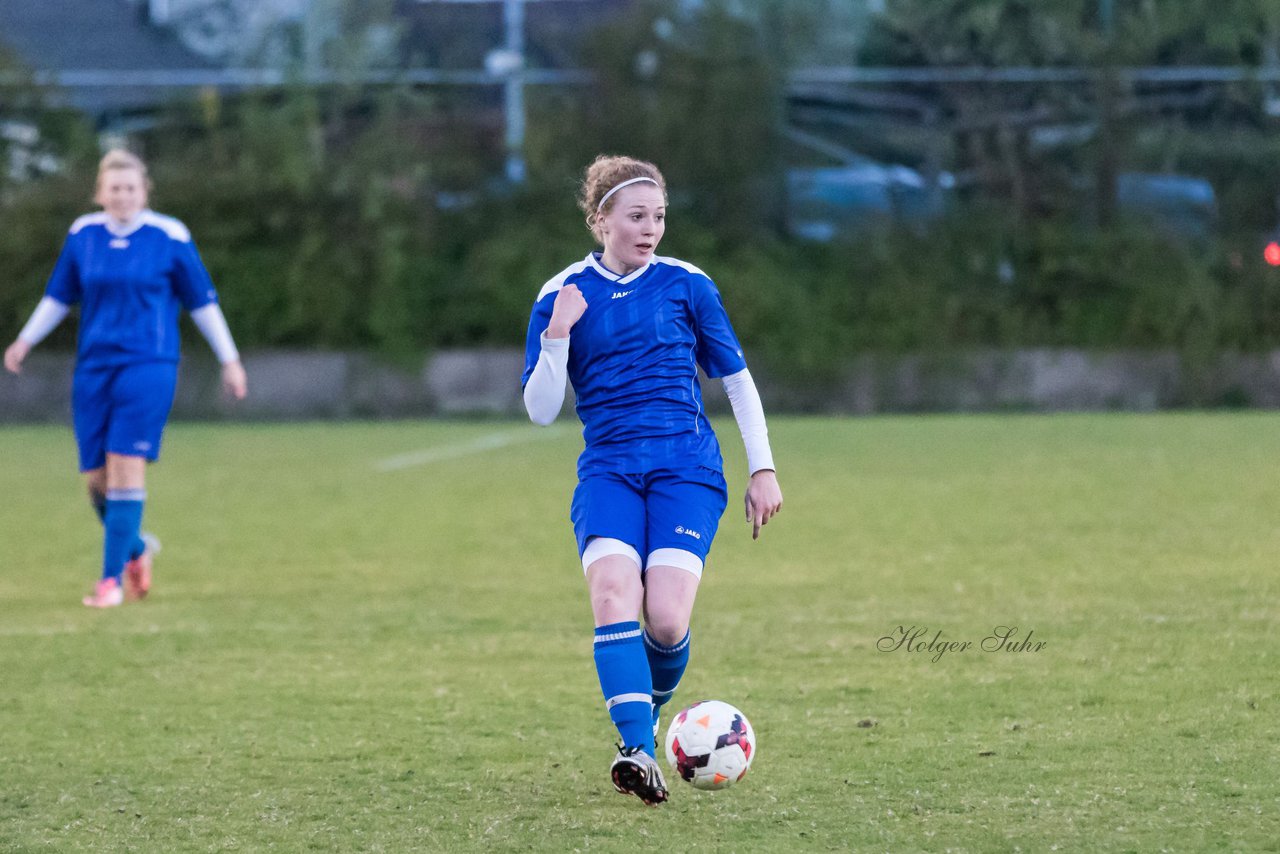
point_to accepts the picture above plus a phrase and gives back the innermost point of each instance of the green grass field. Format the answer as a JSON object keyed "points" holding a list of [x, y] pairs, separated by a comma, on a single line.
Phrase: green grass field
{"points": [[375, 637]]}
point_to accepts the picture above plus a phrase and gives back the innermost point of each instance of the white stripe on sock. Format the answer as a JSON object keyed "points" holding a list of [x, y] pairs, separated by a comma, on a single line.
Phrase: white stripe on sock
{"points": [[617, 636], [669, 650], [627, 698]]}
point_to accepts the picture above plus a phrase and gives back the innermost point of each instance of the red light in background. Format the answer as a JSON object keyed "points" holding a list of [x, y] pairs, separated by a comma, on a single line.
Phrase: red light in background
{"points": [[1272, 254]]}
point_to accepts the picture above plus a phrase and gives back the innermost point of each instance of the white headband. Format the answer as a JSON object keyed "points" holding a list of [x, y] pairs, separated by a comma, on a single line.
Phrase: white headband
{"points": [[600, 206]]}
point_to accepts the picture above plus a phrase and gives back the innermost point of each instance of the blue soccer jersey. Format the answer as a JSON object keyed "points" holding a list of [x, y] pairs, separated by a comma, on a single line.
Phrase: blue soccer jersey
{"points": [[130, 284], [633, 361]]}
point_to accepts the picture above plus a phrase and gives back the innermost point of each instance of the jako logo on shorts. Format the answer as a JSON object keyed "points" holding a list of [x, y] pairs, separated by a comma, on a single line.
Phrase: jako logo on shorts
{"points": [[681, 529]]}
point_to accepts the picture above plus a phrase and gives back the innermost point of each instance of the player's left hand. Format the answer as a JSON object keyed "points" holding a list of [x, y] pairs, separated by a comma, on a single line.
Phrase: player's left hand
{"points": [[763, 500], [234, 380]]}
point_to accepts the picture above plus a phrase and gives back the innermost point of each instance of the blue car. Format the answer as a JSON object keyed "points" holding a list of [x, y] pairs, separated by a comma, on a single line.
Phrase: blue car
{"points": [[826, 201]]}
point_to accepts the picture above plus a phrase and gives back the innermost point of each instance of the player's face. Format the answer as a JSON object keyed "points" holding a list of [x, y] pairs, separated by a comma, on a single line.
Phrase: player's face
{"points": [[122, 193], [632, 228]]}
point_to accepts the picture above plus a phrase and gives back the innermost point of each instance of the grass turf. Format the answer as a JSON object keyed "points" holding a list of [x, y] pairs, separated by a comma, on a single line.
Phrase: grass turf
{"points": [[375, 637]]}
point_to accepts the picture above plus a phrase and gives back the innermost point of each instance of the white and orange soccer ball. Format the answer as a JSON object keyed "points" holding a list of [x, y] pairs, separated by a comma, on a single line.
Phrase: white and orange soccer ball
{"points": [[711, 745]]}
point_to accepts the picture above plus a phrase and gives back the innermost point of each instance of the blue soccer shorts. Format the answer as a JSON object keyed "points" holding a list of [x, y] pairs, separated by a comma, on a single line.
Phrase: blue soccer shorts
{"points": [[121, 409], [663, 509]]}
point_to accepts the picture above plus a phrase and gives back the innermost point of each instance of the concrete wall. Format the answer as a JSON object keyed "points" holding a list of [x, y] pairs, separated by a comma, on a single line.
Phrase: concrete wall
{"points": [[294, 385]]}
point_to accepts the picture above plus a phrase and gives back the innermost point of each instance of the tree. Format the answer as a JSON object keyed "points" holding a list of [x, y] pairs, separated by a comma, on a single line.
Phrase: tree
{"points": [[992, 126], [701, 94]]}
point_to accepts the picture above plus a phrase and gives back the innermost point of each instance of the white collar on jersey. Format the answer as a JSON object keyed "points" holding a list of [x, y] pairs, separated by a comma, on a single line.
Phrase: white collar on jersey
{"points": [[124, 229], [594, 260]]}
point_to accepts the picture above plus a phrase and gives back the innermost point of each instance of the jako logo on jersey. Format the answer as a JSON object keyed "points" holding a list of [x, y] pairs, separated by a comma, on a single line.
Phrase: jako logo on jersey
{"points": [[621, 294], [119, 243], [681, 529]]}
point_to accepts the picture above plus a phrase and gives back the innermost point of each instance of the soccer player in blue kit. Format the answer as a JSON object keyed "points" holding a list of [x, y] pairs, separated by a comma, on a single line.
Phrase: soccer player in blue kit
{"points": [[131, 270], [630, 329]]}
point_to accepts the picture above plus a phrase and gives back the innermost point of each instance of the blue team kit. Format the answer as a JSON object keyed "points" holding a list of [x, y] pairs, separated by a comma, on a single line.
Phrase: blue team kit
{"points": [[650, 474], [130, 286]]}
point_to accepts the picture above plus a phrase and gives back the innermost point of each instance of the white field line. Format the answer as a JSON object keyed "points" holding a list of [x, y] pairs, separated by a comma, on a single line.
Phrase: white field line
{"points": [[457, 450], [92, 625], [47, 631]]}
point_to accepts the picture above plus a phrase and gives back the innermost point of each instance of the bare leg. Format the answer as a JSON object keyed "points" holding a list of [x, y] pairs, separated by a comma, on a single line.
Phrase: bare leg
{"points": [[124, 498], [126, 472], [616, 598], [669, 593], [616, 591], [95, 483], [668, 604]]}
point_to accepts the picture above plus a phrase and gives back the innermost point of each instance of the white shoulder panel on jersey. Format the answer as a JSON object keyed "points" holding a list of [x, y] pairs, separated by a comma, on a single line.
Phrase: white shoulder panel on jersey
{"points": [[99, 218], [170, 226], [556, 282], [676, 262]]}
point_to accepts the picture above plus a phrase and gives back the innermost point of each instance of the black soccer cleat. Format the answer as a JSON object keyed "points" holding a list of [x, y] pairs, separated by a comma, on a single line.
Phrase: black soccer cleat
{"points": [[635, 772]]}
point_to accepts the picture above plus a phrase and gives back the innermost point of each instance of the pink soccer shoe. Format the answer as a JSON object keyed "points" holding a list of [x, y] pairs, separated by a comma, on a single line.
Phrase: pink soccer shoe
{"points": [[107, 594], [137, 572]]}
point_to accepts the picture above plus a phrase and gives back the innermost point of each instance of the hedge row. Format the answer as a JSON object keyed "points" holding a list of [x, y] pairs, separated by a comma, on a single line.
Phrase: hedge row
{"points": [[357, 266]]}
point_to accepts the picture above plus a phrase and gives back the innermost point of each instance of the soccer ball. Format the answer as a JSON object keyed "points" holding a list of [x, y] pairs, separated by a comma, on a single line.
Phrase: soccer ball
{"points": [[711, 745]]}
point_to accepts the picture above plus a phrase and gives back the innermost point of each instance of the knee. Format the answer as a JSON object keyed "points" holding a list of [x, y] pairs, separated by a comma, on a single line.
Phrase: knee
{"points": [[666, 626], [610, 598], [616, 595], [124, 472]]}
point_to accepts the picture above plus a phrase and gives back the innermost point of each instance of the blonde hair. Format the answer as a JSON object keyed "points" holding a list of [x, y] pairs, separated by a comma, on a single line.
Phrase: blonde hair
{"points": [[604, 174], [119, 158]]}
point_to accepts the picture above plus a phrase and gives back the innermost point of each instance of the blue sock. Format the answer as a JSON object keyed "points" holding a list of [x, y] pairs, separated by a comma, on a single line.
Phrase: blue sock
{"points": [[624, 678], [99, 502], [121, 520], [666, 664]]}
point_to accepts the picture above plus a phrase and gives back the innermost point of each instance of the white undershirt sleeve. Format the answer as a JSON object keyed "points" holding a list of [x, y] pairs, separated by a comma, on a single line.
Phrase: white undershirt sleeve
{"points": [[48, 314], [544, 392], [749, 412], [213, 326]]}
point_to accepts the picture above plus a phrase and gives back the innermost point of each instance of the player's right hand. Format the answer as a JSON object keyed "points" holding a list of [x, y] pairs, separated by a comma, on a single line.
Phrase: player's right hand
{"points": [[15, 354], [234, 382], [567, 310]]}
